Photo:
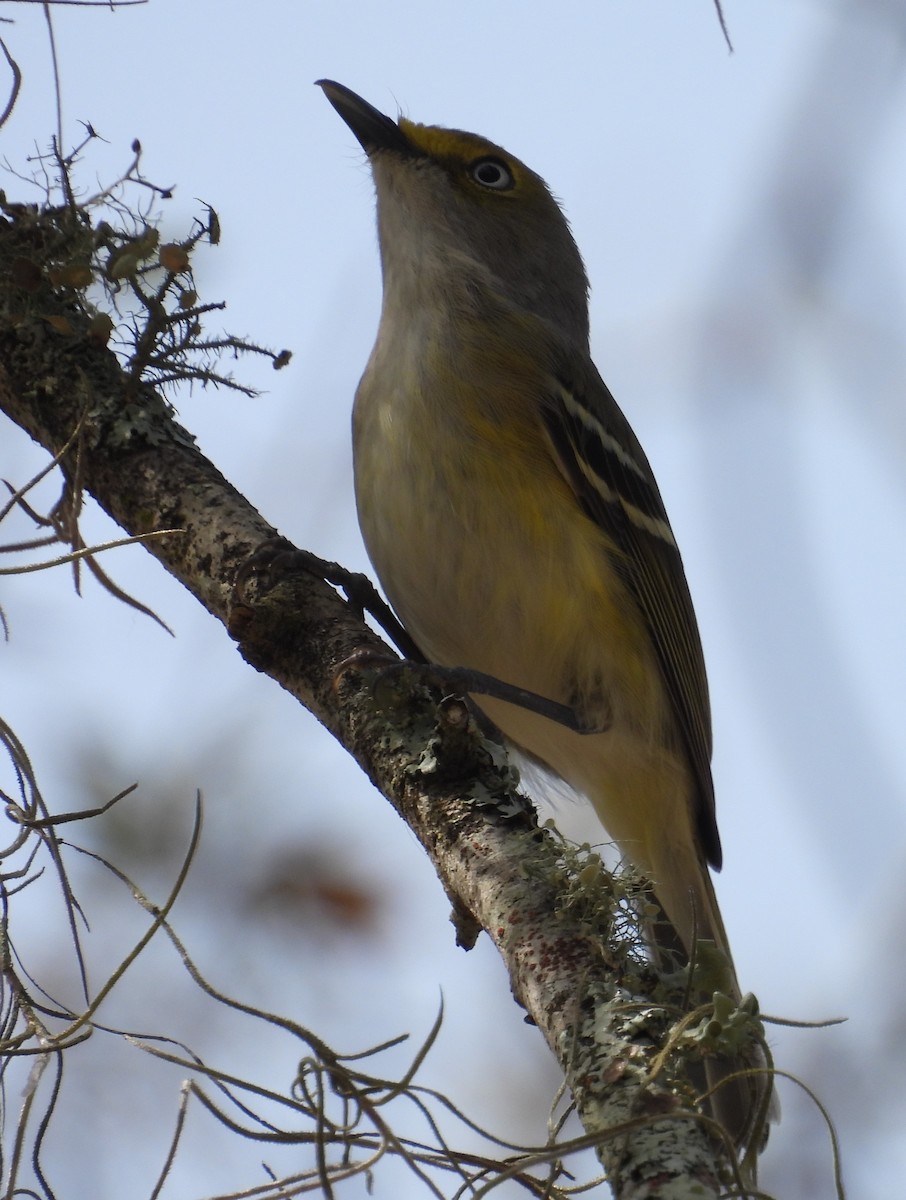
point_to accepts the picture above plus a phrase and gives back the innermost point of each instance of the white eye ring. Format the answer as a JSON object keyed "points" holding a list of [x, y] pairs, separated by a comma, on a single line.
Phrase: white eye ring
{"points": [[492, 173]]}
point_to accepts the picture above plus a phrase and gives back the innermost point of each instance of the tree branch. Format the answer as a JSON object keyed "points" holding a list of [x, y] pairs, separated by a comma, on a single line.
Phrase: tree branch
{"points": [[600, 1008]]}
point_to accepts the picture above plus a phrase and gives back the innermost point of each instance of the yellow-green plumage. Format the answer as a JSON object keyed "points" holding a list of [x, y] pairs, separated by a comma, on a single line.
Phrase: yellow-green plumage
{"points": [[511, 514], [475, 534]]}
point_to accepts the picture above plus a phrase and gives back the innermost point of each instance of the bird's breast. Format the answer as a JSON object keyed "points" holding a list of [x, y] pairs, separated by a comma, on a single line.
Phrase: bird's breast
{"points": [[479, 541]]}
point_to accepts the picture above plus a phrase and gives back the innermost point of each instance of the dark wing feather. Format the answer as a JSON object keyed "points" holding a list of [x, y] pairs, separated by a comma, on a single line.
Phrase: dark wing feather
{"points": [[614, 483]]}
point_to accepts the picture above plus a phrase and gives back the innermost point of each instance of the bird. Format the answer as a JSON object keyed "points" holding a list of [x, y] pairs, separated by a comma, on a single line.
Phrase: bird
{"points": [[514, 520]]}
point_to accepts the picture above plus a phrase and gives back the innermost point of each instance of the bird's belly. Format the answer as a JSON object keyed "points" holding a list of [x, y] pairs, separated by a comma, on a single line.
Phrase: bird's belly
{"points": [[493, 566], [490, 563]]}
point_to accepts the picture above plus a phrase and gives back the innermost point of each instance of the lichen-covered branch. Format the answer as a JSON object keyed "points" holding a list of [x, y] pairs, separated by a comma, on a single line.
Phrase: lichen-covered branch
{"points": [[600, 1008]]}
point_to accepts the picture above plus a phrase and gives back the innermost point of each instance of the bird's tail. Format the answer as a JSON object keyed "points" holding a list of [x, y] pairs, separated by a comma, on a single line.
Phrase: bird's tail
{"points": [[735, 1073]]}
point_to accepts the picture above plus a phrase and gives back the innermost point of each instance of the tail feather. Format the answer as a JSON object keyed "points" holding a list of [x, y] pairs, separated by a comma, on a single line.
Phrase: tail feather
{"points": [[738, 1085]]}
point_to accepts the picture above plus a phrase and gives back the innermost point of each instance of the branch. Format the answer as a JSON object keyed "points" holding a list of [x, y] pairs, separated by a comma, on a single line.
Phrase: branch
{"points": [[602, 1011]]}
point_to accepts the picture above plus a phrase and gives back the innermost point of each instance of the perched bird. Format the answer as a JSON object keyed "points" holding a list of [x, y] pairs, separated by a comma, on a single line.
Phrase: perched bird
{"points": [[513, 518]]}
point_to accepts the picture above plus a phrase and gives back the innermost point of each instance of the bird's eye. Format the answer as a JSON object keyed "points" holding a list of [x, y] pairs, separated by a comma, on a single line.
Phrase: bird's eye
{"points": [[492, 173]]}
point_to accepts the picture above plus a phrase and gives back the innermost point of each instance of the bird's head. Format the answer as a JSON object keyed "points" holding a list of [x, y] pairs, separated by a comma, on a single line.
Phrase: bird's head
{"points": [[446, 197]]}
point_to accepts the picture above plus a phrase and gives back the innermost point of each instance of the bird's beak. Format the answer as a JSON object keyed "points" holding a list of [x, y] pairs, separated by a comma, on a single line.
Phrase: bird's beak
{"points": [[372, 129]]}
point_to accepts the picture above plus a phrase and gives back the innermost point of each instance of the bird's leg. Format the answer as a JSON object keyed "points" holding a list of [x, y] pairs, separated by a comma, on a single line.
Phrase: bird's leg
{"points": [[467, 682], [279, 556], [465, 679]]}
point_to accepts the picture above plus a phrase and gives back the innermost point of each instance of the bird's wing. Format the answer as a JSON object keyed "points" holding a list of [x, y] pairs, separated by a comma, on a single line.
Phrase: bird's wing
{"points": [[612, 480]]}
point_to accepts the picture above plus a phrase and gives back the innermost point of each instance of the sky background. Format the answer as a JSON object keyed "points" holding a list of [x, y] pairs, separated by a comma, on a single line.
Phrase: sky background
{"points": [[741, 218]]}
